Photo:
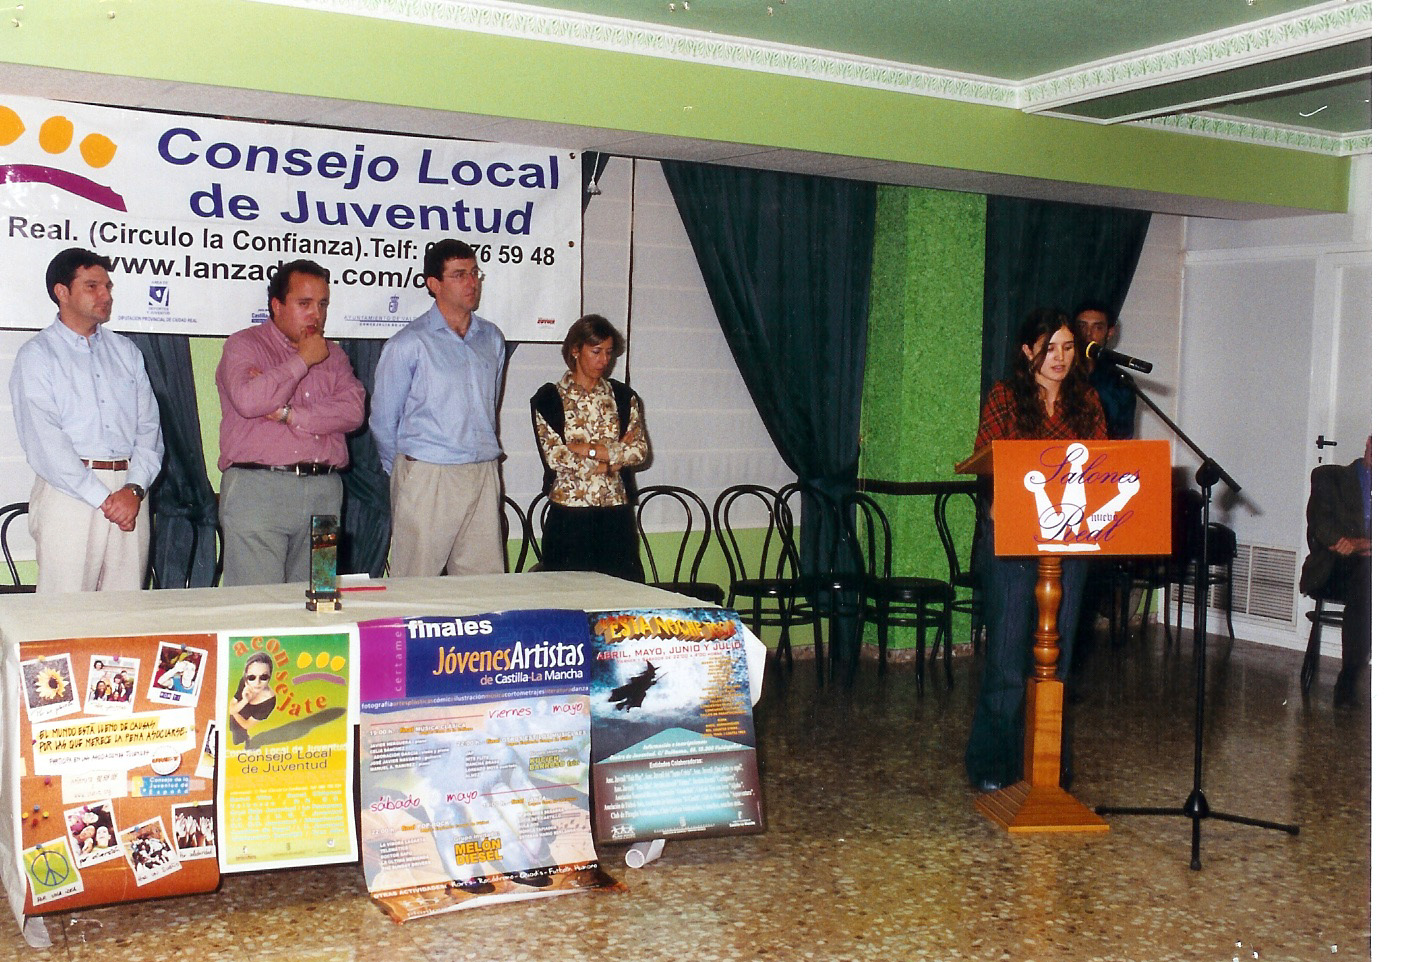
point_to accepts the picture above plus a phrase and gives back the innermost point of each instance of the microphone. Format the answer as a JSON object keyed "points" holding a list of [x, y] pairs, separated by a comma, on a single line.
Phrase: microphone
{"points": [[1093, 352]]}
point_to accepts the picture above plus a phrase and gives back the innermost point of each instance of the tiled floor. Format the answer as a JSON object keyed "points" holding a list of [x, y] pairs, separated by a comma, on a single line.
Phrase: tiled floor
{"points": [[873, 849]]}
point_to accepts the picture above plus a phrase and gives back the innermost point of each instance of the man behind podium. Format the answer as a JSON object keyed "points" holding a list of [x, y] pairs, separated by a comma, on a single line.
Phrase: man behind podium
{"points": [[1339, 562]]}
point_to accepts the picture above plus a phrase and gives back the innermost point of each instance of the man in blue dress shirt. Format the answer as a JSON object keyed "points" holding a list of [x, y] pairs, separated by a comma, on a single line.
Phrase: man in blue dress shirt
{"points": [[434, 417], [88, 424]]}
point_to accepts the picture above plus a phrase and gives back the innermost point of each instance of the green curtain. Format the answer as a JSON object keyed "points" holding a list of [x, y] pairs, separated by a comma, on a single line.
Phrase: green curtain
{"points": [[787, 260], [1044, 254], [181, 500]]}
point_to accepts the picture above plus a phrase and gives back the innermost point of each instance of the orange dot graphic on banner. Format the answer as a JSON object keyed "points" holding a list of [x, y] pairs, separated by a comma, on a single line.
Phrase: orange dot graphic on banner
{"points": [[97, 150], [10, 126], [56, 134]]}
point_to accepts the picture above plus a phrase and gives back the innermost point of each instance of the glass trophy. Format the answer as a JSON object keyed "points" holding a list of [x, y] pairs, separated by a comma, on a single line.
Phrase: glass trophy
{"points": [[322, 569]]}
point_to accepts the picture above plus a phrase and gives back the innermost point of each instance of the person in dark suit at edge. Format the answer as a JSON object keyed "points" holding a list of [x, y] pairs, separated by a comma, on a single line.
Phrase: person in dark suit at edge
{"points": [[1339, 561]]}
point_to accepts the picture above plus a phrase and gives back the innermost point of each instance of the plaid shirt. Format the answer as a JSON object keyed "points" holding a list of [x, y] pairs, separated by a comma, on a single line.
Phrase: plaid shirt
{"points": [[998, 421]]}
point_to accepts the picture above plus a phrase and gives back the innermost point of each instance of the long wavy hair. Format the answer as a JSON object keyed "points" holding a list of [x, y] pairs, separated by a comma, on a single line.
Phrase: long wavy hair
{"points": [[1076, 404]]}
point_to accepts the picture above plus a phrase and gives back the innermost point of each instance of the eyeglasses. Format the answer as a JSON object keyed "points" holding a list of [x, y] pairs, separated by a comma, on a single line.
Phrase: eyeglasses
{"points": [[462, 276], [256, 677]]}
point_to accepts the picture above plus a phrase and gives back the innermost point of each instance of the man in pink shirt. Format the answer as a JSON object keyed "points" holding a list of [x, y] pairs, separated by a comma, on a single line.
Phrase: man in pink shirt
{"points": [[288, 397]]}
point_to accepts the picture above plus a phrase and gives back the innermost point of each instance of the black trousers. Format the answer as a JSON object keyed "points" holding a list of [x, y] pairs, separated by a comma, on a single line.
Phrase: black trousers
{"points": [[592, 539]]}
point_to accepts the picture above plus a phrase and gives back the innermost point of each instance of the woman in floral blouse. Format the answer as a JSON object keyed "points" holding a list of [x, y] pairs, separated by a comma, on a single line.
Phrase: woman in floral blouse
{"points": [[590, 433]]}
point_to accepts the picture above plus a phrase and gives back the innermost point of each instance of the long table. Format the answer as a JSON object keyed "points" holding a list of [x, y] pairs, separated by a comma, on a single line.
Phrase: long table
{"points": [[29, 618]]}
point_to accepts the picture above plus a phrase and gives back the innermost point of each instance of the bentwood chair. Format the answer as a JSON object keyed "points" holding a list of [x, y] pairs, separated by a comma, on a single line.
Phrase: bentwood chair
{"points": [[8, 514], [536, 513], [677, 511], [1319, 616], [515, 525], [756, 532], [1222, 547], [894, 600], [952, 497], [831, 586]]}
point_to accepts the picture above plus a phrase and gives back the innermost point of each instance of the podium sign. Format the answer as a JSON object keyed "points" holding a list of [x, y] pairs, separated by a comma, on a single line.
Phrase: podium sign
{"points": [[1081, 499]]}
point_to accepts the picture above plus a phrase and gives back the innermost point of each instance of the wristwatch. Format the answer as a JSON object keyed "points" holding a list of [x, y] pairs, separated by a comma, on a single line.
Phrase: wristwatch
{"points": [[136, 489]]}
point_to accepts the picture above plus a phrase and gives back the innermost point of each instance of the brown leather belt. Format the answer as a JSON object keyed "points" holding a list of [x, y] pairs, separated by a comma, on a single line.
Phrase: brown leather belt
{"points": [[304, 469], [105, 465]]}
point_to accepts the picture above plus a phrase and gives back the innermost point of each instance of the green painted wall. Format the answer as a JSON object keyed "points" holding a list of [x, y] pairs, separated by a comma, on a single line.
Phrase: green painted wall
{"points": [[257, 46], [922, 377]]}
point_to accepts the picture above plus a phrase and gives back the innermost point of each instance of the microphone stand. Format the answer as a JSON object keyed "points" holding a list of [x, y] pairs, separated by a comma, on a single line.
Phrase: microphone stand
{"points": [[1197, 807]]}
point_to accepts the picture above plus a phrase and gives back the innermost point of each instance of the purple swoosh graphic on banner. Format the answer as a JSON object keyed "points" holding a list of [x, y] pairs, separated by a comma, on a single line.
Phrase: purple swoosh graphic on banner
{"points": [[63, 180]]}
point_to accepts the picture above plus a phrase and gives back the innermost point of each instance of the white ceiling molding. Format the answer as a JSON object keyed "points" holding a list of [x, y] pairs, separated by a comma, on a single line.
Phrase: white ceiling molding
{"points": [[1191, 105], [1325, 25], [673, 43], [1314, 28], [1272, 135]]}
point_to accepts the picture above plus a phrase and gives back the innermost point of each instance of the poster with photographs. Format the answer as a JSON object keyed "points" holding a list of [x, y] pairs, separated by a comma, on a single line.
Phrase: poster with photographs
{"points": [[179, 671], [113, 749], [93, 833], [112, 685], [49, 689], [149, 851], [194, 828]]}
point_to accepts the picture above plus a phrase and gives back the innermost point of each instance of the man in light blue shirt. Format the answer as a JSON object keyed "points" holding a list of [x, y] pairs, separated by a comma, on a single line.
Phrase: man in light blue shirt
{"points": [[87, 421], [434, 417]]}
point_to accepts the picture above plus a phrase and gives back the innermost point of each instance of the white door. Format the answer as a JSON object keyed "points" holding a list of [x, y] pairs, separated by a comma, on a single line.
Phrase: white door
{"points": [[1341, 409]]}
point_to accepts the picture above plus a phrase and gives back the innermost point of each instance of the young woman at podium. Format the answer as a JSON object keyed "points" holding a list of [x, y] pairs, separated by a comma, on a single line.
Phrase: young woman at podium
{"points": [[1046, 396]]}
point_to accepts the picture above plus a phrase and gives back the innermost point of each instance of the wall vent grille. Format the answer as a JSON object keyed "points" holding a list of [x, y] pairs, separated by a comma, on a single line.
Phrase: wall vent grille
{"points": [[1265, 584]]}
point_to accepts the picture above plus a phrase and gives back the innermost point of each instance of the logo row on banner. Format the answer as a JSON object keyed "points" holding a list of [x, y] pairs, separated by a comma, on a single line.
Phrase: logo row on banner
{"points": [[198, 212], [485, 742]]}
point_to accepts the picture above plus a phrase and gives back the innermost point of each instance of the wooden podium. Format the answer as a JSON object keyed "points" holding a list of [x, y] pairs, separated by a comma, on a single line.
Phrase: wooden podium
{"points": [[1052, 499]]}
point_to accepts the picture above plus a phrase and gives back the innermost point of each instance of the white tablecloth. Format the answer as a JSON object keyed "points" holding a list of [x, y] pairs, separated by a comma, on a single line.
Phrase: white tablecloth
{"points": [[30, 617]]}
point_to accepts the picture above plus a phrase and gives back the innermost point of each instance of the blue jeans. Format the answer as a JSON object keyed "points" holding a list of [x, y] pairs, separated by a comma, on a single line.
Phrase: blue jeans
{"points": [[995, 750]]}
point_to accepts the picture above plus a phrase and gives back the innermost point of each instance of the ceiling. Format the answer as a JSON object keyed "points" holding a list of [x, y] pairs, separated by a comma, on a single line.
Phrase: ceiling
{"points": [[1300, 65], [1293, 74]]}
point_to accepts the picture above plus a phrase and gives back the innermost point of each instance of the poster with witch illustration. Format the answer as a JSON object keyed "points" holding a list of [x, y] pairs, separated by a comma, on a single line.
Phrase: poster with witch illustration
{"points": [[673, 747]]}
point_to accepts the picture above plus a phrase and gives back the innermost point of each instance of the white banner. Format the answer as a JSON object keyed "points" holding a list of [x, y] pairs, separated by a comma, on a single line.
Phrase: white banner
{"points": [[198, 212]]}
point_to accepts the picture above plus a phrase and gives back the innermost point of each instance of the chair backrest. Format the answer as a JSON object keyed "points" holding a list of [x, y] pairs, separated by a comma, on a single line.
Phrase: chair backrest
{"points": [[667, 504], [537, 510], [951, 497], [8, 514], [754, 506], [516, 525], [814, 514], [870, 535]]}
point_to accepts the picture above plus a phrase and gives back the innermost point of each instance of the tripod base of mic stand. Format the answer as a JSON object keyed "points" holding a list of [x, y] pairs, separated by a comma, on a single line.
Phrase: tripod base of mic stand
{"points": [[1197, 808]]}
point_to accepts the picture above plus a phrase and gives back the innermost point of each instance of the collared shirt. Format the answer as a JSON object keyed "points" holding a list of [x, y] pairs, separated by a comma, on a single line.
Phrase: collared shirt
{"points": [[436, 396], [78, 397], [591, 416], [259, 372], [1118, 400], [998, 421]]}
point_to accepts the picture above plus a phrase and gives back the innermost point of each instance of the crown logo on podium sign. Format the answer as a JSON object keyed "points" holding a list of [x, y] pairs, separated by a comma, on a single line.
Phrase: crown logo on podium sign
{"points": [[1067, 525]]}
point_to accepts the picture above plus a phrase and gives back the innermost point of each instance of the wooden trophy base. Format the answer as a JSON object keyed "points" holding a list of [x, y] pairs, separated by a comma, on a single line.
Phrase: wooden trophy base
{"points": [[1037, 803]]}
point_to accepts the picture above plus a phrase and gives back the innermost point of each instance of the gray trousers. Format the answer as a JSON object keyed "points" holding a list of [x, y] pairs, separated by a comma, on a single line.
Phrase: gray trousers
{"points": [[265, 515]]}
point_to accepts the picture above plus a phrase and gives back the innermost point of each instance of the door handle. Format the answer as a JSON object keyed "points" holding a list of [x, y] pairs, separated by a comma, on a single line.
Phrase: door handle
{"points": [[1324, 443]]}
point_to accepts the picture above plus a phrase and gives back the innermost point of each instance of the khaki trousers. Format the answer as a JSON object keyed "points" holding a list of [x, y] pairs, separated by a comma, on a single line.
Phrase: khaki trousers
{"points": [[80, 550], [445, 517]]}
